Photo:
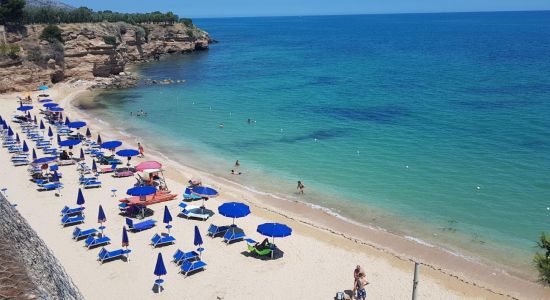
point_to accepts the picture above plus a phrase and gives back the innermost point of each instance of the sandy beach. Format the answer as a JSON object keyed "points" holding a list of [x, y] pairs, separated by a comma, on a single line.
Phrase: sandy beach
{"points": [[318, 259]]}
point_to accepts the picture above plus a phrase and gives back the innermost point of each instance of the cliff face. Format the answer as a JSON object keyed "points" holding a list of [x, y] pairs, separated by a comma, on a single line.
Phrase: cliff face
{"points": [[28, 268], [91, 50]]}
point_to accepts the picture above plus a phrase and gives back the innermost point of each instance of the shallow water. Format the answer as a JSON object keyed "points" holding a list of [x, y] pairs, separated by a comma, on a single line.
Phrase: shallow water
{"points": [[433, 126]]}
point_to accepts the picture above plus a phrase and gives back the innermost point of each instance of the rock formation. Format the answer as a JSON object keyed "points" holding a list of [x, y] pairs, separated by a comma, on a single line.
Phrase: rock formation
{"points": [[91, 50]]}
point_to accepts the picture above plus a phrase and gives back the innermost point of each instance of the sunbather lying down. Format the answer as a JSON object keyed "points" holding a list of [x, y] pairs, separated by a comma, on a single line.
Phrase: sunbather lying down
{"points": [[263, 245]]}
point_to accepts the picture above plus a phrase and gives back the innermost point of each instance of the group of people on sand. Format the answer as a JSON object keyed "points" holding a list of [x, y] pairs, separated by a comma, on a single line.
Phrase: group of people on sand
{"points": [[359, 283]]}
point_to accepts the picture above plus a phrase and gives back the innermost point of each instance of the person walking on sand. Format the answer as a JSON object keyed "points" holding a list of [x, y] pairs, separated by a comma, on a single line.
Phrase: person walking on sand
{"points": [[300, 187], [141, 151]]}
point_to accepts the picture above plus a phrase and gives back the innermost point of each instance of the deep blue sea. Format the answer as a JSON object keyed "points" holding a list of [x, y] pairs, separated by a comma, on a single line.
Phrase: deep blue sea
{"points": [[434, 126]]}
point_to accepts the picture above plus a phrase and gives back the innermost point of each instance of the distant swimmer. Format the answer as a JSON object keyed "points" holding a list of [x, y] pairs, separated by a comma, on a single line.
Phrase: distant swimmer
{"points": [[233, 172], [221, 125], [237, 164], [249, 121]]}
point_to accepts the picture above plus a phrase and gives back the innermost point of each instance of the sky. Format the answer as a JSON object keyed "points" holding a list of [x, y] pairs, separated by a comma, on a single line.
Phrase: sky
{"points": [[249, 8]]}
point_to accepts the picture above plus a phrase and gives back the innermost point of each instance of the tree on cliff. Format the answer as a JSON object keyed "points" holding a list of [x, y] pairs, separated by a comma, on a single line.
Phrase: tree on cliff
{"points": [[51, 33], [11, 11], [542, 260]]}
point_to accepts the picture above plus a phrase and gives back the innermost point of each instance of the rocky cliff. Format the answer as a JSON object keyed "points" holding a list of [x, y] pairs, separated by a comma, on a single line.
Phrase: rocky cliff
{"points": [[91, 50], [28, 269]]}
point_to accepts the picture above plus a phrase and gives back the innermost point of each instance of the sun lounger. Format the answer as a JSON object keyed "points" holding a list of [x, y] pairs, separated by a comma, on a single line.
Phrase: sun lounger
{"points": [[50, 186], [143, 225], [190, 197], [91, 184], [190, 266], [92, 241], [160, 240], [214, 230], [123, 172], [233, 234], [66, 162], [80, 234], [21, 163], [66, 211], [194, 212], [68, 220], [180, 256], [104, 254]]}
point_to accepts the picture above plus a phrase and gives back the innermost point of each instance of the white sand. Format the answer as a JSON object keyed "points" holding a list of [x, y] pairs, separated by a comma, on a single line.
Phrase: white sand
{"points": [[316, 264]]}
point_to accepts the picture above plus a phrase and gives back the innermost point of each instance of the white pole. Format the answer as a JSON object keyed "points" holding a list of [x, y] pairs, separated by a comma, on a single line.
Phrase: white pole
{"points": [[415, 280]]}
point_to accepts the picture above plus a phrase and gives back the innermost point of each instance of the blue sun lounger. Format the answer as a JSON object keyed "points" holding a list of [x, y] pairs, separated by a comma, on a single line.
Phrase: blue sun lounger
{"points": [[104, 254], [68, 220], [143, 225], [50, 186], [214, 230], [66, 211], [159, 240], [188, 196], [91, 184], [92, 242], [190, 266], [233, 234], [80, 234], [180, 256]]}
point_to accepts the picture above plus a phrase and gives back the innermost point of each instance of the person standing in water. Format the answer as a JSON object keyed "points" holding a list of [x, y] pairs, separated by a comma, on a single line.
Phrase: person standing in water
{"points": [[141, 151], [300, 187]]}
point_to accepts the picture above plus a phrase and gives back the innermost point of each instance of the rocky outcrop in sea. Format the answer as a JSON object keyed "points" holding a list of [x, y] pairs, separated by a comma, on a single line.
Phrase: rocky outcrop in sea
{"points": [[28, 269]]}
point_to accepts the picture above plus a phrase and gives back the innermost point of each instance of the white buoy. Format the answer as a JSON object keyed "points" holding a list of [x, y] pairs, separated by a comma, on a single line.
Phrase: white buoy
{"points": [[315, 140], [548, 208], [281, 130], [358, 152], [478, 187], [407, 167]]}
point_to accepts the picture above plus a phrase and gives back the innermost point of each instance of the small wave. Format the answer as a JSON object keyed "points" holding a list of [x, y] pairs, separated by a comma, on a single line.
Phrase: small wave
{"points": [[101, 121], [418, 241]]}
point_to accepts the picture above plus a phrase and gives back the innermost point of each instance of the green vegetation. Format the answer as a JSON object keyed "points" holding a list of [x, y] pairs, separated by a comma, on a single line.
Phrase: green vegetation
{"points": [[542, 260], [9, 51], [11, 11], [110, 40], [52, 15], [190, 33], [51, 33]]}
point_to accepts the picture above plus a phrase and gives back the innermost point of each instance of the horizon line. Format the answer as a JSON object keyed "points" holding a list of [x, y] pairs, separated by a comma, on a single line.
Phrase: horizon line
{"points": [[371, 14]]}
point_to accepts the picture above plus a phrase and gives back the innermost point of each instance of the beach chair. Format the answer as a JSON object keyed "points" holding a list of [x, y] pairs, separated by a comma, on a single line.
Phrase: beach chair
{"points": [[66, 211], [91, 184], [123, 172], [189, 266], [161, 240], [180, 256], [250, 244], [50, 186], [194, 212], [22, 162], [188, 196], [214, 230], [92, 241], [68, 220], [105, 255], [66, 162], [143, 225], [233, 234], [79, 234]]}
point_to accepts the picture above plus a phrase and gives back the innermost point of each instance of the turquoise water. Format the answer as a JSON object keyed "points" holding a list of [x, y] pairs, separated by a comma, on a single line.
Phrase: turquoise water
{"points": [[433, 125]]}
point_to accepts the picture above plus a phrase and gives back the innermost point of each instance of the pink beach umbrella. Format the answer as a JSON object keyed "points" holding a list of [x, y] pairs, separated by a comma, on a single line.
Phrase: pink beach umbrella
{"points": [[148, 165]]}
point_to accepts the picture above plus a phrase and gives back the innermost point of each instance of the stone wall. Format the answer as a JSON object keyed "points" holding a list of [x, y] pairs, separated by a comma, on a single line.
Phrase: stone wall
{"points": [[28, 268]]}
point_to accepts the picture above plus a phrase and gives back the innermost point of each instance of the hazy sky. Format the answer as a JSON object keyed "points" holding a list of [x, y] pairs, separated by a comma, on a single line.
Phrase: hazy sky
{"points": [[232, 8]]}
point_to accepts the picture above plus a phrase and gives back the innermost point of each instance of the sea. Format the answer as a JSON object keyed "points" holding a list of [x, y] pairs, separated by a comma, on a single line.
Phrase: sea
{"points": [[435, 127]]}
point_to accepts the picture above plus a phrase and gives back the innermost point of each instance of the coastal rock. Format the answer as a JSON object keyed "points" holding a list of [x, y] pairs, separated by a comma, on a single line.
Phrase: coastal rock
{"points": [[88, 52]]}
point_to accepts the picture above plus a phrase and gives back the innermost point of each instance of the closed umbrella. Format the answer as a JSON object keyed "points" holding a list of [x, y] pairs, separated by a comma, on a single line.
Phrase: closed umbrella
{"points": [[125, 240], [67, 121], [167, 218], [198, 240], [50, 132], [160, 269], [34, 120], [94, 166], [33, 154], [80, 198], [25, 147], [10, 131], [42, 127], [101, 218], [99, 138], [81, 154], [17, 139], [88, 133]]}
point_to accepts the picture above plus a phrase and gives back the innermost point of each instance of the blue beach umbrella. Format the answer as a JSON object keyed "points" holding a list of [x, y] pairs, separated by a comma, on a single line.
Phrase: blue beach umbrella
{"points": [[76, 124], [42, 127], [234, 210], [88, 133], [50, 105], [24, 108], [44, 160], [111, 145], [94, 166], [204, 191], [45, 100], [50, 132], [274, 230], [17, 138], [58, 138], [33, 154], [69, 143], [34, 119], [80, 198], [101, 218], [25, 147], [10, 132], [128, 153], [125, 240], [5, 125], [43, 88], [198, 240], [99, 138], [141, 191], [28, 114], [67, 121], [81, 154], [55, 177], [160, 269], [167, 218], [56, 109]]}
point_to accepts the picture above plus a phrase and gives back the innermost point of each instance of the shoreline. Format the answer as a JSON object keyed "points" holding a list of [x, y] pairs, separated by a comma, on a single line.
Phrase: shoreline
{"points": [[474, 271]]}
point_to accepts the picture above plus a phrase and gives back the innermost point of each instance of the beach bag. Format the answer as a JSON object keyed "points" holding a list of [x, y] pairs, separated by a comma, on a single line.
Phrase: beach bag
{"points": [[339, 296]]}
